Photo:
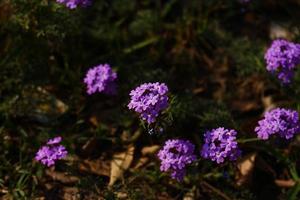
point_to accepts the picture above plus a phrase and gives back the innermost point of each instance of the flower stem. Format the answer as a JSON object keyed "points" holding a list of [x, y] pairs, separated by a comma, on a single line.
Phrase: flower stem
{"points": [[248, 140]]}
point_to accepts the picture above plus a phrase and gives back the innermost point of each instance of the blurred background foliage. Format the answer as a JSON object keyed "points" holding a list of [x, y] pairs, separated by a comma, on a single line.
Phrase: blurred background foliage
{"points": [[210, 54]]}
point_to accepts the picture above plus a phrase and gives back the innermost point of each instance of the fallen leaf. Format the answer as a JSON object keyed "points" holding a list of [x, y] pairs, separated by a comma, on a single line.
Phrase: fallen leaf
{"points": [[279, 31], [268, 103], [122, 195], [4, 191], [39, 105], [206, 186], [7, 196], [98, 167], [93, 119], [285, 183], [127, 138], [120, 163], [141, 162], [190, 195], [146, 152], [70, 193], [245, 106], [89, 146], [198, 90], [245, 166], [62, 177], [6, 10], [150, 150]]}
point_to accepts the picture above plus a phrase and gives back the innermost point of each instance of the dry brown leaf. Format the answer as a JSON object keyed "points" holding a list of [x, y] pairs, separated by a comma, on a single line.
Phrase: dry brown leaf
{"points": [[39, 198], [129, 138], [207, 186], [6, 9], [198, 90], [62, 177], [245, 166], [268, 103], [48, 186], [120, 163], [121, 195], [71, 193], [285, 183], [261, 164], [150, 150], [98, 167], [125, 136], [245, 106], [7, 196], [89, 146], [146, 151], [3, 191], [39, 105], [190, 195], [93, 119], [280, 31], [141, 162]]}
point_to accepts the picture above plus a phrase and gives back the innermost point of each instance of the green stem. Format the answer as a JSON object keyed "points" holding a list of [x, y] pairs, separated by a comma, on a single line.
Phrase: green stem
{"points": [[293, 172], [294, 192], [248, 140]]}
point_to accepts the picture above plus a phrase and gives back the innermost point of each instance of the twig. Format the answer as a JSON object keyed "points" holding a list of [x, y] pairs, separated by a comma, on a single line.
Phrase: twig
{"points": [[217, 191]]}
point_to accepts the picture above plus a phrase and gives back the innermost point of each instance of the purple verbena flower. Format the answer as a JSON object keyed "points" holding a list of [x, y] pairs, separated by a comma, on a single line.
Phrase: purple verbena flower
{"points": [[175, 156], [72, 4], [101, 79], [282, 58], [51, 152], [284, 122], [55, 140], [244, 1], [220, 144], [149, 99]]}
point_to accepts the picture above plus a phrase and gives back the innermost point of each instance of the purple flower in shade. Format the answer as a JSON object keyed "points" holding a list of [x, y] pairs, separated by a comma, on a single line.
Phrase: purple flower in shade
{"points": [[175, 156], [220, 144], [51, 152], [282, 58], [284, 122], [72, 4], [55, 140], [149, 99], [244, 1], [101, 79]]}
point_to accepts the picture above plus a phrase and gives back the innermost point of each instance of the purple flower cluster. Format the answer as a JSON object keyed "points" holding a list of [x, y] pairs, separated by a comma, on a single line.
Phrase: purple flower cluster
{"points": [[149, 99], [101, 79], [283, 122], [282, 58], [51, 152], [220, 144], [244, 1], [75, 3], [175, 156]]}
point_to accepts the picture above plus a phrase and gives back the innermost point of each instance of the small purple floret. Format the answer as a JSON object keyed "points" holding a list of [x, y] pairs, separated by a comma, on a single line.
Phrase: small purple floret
{"points": [[244, 1], [282, 58], [149, 99], [220, 144], [72, 4], [284, 122], [101, 79], [51, 152], [175, 156], [55, 140]]}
